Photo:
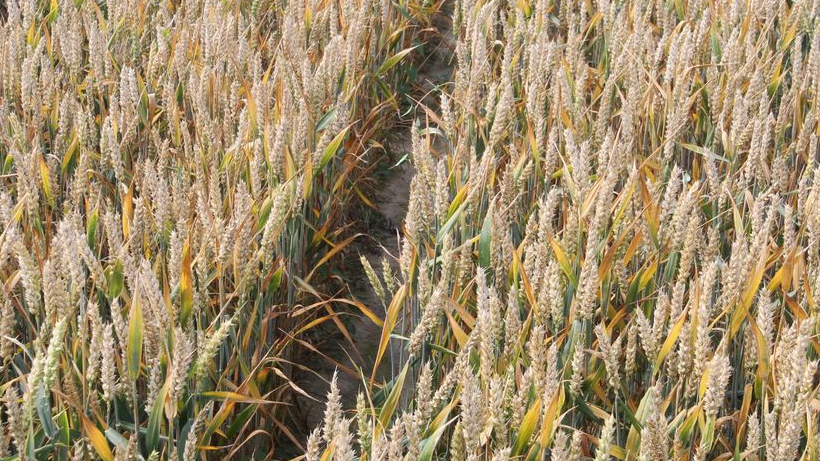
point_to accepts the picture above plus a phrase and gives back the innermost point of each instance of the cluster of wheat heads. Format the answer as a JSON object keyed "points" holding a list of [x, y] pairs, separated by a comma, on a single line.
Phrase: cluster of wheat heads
{"points": [[611, 249], [170, 176]]}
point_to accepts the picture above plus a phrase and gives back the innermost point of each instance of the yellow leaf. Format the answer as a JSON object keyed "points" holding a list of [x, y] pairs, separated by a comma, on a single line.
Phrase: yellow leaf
{"points": [[598, 411], [704, 381], [670, 341], [235, 397], [590, 198], [606, 262], [331, 149], [389, 324], [127, 211], [740, 314], [458, 332], [528, 291], [648, 275], [527, 427], [632, 247], [328, 453], [96, 438], [551, 417], [562, 260], [392, 401], [46, 179], [186, 285], [457, 200]]}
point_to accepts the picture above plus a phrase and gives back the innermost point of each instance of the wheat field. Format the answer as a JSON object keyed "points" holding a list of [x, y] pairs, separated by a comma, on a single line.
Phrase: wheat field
{"points": [[610, 248]]}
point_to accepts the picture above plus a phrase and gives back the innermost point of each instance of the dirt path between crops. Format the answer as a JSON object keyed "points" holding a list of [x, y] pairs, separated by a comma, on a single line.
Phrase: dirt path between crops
{"points": [[390, 192]]}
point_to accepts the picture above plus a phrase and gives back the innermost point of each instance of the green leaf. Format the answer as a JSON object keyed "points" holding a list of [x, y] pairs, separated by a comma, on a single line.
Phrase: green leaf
{"points": [[685, 430], [70, 153], [7, 164], [704, 152], [65, 428], [240, 421], [264, 213], [91, 229], [135, 336], [393, 60], [484, 242], [445, 229], [154, 420], [708, 438], [116, 438], [115, 280], [400, 161], [326, 119], [331, 149], [392, 401], [534, 452], [44, 412], [275, 280], [527, 428], [183, 440], [431, 442]]}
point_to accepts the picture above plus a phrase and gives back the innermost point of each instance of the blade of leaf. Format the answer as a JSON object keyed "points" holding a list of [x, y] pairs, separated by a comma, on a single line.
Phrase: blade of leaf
{"points": [[527, 427], [186, 285], [154, 420], [390, 62], [431, 442], [392, 401], [135, 337], [331, 149], [96, 438]]}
